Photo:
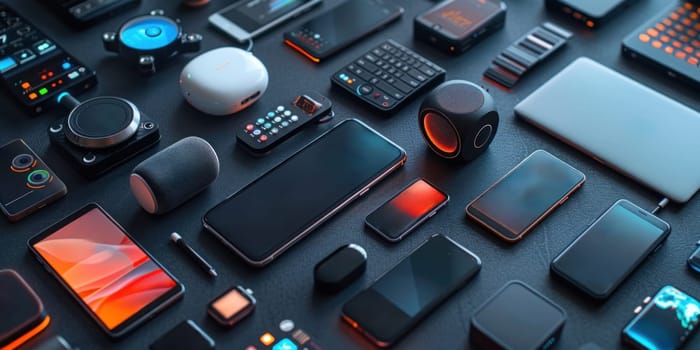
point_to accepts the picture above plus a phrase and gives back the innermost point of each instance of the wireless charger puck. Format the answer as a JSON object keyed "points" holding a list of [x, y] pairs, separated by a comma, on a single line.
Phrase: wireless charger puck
{"points": [[102, 122]]}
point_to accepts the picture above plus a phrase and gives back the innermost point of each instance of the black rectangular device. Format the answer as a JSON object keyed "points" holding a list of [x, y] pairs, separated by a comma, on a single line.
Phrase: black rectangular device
{"points": [[266, 217], [34, 68], [589, 12], [402, 213], [340, 27], [388, 76], [523, 197], [244, 20], [82, 13], [454, 26], [112, 277], [407, 293], [595, 262], [27, 184], [669, 42], [666, 321]]}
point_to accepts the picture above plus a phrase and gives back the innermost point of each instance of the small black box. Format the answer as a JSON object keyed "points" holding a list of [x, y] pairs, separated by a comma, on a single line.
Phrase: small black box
{"points": [[517, 317], [455, 26]]}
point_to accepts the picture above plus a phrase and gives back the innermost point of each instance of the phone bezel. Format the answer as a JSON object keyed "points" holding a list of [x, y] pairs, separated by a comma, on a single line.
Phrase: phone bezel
{"points": [[416, 222], [500, 230], [136, 319]]}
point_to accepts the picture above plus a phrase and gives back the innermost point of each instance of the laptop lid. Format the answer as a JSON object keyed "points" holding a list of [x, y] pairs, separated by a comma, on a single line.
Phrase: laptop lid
{"points": [[625, 125]]}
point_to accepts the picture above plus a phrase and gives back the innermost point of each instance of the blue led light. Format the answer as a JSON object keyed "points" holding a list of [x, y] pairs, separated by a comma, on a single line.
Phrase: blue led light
{"points": [[149, 33], [61, 96], [66, 65]]}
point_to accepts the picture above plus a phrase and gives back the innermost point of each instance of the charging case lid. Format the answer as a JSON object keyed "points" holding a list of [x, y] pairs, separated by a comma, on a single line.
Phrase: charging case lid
{"points": [[22, 310]]}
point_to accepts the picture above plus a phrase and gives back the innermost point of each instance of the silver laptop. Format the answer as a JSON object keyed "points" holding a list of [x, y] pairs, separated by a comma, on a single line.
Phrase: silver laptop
{"points": [[621, 123]]}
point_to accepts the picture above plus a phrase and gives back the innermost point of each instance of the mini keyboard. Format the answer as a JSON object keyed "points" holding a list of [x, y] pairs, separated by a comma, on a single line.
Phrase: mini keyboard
{"points": [[388, 76]]}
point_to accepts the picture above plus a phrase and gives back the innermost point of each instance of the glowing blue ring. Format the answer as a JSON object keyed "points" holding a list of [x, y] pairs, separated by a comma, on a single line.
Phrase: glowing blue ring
{"points": [[149, 33]]}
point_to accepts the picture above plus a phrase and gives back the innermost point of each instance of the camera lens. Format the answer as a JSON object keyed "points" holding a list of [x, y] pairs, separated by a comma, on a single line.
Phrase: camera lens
{"points": [[22, 161], [38, 177]]}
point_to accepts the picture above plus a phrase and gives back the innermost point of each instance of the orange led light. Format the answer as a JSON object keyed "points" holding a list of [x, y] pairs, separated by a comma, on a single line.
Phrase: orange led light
{"points": [[668, 50], [267, 339], [26, 85], [694, 61], [29, 335], [644, 38], [652, 32], [656, 44], [33, 96], [681, 55], [590, 24], [301, 51]]}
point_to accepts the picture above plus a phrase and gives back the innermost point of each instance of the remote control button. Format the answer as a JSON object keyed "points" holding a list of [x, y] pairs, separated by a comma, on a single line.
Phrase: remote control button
{"points": [[278, 119], [287, 113], [44, 46], [294, 118], [250, 127], [6, 64], [280, 108], [365, 89], [270, 114], [267, 125], [262, 138], [275, 130], [257, 132], [89, 158], [24, 56], [286, 123], [260, 121]]}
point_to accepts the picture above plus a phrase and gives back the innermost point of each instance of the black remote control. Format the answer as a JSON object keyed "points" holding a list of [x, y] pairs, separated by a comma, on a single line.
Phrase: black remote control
{"points": [[264, 133], [34, 67]]}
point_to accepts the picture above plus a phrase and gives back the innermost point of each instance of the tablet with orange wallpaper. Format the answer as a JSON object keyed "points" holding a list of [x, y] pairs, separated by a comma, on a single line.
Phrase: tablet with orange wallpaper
{"points": [[111, 276]]}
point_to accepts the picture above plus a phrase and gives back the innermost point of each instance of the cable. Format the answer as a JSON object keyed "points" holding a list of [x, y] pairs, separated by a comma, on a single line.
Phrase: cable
{"points": [[250, 45], [662, 204]]}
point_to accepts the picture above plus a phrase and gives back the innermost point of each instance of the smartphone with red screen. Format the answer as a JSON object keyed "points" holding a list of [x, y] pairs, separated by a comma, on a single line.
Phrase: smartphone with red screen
{"points": [[401, 214], [112, 277]]}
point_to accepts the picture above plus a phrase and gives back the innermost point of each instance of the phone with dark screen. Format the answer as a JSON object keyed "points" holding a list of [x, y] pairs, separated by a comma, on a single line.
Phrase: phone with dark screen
{"points": [[522, 198], [406, 210], [341, 26], [610, 249], [266, 217], [407, 293]]}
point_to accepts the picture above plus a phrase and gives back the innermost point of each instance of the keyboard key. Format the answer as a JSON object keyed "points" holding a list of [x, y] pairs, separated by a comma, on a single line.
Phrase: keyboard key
{"points": [[6, 64]]}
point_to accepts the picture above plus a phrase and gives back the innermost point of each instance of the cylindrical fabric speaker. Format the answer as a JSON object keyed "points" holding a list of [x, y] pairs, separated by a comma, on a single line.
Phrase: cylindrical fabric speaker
{"points": [[174, 175], [458, 120]]}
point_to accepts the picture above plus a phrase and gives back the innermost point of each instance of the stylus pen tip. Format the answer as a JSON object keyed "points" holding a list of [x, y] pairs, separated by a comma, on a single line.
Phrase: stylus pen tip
{"points": [[213, 273]]}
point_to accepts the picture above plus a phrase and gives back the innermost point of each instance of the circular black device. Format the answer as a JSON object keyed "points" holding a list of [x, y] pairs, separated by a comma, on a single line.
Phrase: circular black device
{"points": [[458, 120], [22, 162], [102, 122], [149, 39]]}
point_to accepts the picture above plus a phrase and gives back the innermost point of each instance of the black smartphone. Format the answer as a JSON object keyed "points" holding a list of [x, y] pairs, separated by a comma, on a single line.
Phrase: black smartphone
{"points": [[522, 198], [667, 321], [402, 213], [343, 25], [114, 279], [247, 19], [34, 67], [407, 293], [589, 12], [600, 259], [263, 219], [26, 182]]}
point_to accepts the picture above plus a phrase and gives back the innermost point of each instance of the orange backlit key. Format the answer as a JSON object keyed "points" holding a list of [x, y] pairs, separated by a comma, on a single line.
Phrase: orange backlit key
{"points": [[684, 38], [677, 44], [667, 22], [696, 26], [672, 33], [686, 21], [694, 16], [33, 96], [656, 44], [689, 49], [688, 6], [674, 16], [644, 38], [665, 38], [694, 61], [660, 27], [652, 32], [692, 33], [696, 43], [25, 85], [681, 55], [668, 50]]}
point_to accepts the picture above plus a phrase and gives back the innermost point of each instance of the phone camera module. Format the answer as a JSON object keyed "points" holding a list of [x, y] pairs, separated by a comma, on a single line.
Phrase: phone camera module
{"points": [[38, 177], [22, 162]]}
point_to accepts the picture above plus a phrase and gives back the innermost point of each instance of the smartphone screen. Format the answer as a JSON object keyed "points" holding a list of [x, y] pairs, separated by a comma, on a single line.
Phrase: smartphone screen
{"points": [[666, 322], [524, 196], [333, 30], [406, 210], [112, 276], [266, 217], [247, 19], [461, 17], [610, 249], [395, 302]]}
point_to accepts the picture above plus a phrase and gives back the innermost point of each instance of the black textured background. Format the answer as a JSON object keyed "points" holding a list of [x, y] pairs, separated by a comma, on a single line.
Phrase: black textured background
{"points": [[285, 288]]}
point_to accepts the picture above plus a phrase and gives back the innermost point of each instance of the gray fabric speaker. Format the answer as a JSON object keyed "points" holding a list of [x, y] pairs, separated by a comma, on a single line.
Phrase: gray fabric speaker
{"points": [[174, 175]]}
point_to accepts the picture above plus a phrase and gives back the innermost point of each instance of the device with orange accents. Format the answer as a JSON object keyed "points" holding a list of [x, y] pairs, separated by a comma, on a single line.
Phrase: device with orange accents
{"points": [[29, 318], [669, 42], [589, 13], [26, 183]]}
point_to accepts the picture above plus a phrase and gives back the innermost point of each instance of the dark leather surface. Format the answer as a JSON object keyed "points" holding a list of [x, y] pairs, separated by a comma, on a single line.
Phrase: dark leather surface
{"points": [[285, 288]]}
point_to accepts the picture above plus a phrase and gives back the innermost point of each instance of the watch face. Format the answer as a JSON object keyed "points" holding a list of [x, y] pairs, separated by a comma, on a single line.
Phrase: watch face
{"points": [[232, 306]]}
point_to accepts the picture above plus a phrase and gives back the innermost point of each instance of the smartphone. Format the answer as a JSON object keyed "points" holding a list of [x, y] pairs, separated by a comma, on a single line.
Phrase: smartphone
{"points": [[610, 249], [407, 293], [27, 184], [666, 322], [589, 12], [118, 283], [263, 219], [522, 198], [409, 208], [340, 27], [247, 19]]}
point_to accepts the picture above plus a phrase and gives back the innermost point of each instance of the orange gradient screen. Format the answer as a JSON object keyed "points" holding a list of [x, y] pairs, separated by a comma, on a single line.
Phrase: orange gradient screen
{"points": [[109, 273]]}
